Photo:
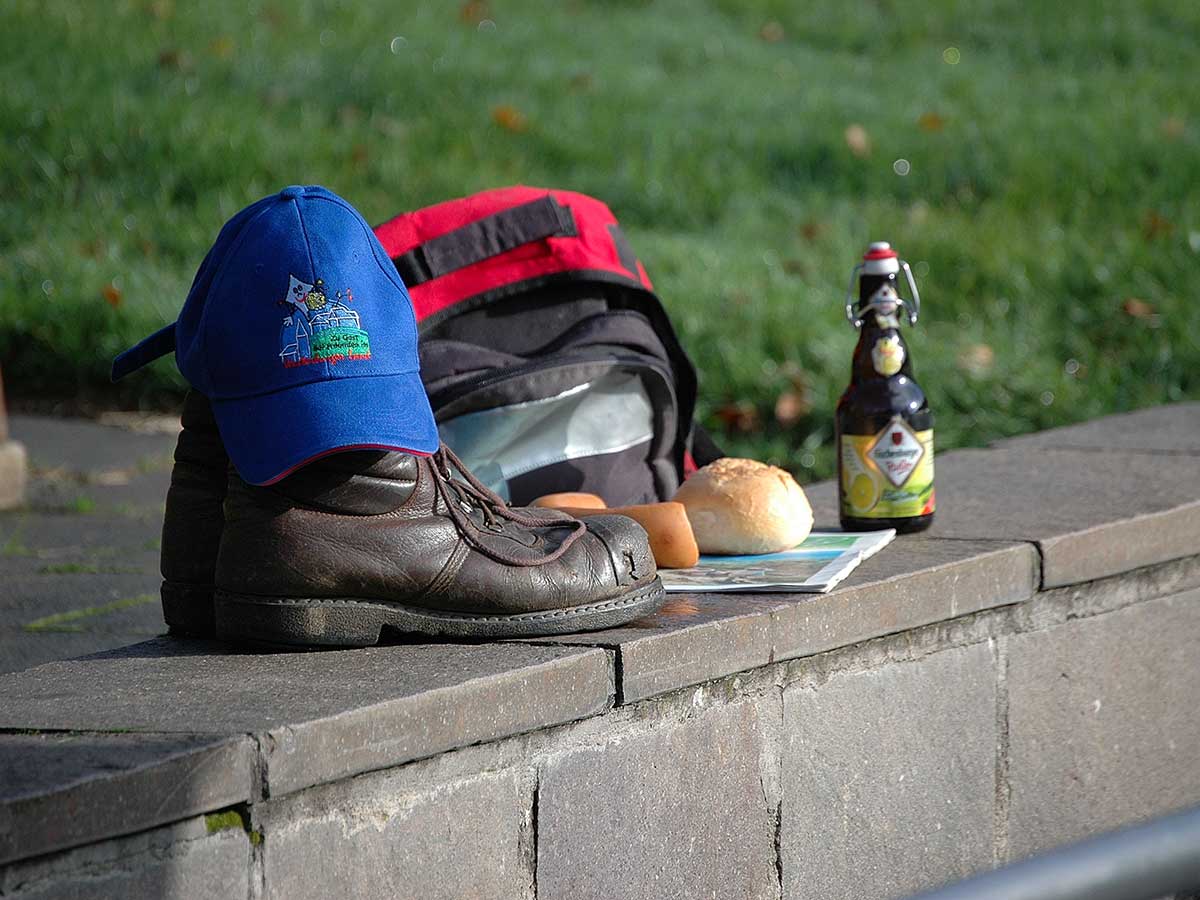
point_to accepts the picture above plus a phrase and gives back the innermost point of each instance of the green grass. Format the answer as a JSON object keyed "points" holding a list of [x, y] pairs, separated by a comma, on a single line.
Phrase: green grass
{"points": [[1053, 153]]}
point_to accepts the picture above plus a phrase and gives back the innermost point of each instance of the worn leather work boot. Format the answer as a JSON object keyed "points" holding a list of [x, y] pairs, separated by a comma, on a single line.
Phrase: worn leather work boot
{"points": [[365, 540], [193, 521]]}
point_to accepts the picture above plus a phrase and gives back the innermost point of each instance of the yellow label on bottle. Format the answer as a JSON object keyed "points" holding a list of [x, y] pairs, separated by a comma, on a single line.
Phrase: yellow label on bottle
{"points": [[888, 475]]}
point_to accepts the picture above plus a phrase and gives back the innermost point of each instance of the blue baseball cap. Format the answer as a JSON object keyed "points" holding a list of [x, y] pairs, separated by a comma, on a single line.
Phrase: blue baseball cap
{"points": [[300, 332]]}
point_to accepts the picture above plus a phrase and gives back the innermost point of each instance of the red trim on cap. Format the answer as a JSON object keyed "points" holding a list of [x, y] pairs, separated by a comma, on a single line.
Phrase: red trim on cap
{"points": [[881, 254]]}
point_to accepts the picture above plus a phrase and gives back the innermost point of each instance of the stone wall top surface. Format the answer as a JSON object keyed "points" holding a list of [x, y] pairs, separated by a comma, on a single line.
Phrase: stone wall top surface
{"points": [[317, 716], [1091, 514], [1160, 429], [63, 790], [1031, 513], [915, 581]]}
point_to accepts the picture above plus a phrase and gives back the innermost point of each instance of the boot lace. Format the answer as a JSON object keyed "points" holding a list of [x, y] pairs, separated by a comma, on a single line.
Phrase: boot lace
{"points": [[468, 491]]}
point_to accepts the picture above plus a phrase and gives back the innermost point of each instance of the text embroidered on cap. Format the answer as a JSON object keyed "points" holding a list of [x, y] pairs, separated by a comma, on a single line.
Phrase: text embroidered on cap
{"points": [[320, 330]]}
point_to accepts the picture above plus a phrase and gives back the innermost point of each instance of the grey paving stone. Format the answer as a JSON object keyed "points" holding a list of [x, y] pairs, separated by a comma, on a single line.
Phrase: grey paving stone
{"points": [[63, 790], [179, 862], [1161, 429], [22, 650], [68, 588], [381, 836], [319, 716], [910, 583], [142, 497], [1103, 722], [676, 812], [33, 542], [89, 592], [888, 777], [913, 582], [82, 445], [1091, 514]]}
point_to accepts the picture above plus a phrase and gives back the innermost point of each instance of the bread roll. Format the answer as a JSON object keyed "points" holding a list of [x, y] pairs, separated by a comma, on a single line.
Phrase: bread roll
{"points": [[569, 499], [744, 506]]}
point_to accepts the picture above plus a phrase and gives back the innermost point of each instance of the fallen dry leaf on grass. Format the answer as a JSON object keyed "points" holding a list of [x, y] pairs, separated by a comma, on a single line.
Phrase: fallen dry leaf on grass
{"points": [[791, 407], [771, 32], [222, 47], [112, 294], [858, 141], [741, 417], [473, 13], [174, 59], [810, 231], [510, 118], [931, 121], [977, 359], [1138, 309], [1156, 225], [1172, 127]]}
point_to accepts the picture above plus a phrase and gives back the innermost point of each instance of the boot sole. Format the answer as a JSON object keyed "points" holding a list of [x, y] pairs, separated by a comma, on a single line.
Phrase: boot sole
{"points": [[188, 609], [351, 622]]}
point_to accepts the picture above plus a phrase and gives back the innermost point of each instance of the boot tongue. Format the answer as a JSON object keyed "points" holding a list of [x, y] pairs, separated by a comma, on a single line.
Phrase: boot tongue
{"points": [[356, 483]]}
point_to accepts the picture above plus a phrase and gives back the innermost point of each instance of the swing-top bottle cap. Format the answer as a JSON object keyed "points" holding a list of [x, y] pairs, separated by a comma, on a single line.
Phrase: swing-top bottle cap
{"points": [[880, 259]]}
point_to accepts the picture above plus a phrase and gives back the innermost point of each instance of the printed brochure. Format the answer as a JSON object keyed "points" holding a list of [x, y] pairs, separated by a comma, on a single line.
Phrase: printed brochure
{"points": [[814, 567]]}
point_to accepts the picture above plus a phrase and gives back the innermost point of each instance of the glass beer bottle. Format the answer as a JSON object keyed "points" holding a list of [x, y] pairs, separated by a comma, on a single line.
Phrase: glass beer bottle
{"points": [[884, 425]]}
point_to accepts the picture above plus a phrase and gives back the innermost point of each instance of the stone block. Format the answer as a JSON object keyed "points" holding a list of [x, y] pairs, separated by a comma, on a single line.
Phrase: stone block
{"points": [[64, 790], [181, 862], [1091, 514], [382, 836], [913, 582], [889, 777], [13, 473], [692, 639], [678, 811], [1103, 722], [1161, 429], [321, 715], [910, 583]]}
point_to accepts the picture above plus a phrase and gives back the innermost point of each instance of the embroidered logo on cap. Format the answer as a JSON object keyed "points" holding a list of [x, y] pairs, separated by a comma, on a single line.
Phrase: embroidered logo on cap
{"points": [[320, 329]]}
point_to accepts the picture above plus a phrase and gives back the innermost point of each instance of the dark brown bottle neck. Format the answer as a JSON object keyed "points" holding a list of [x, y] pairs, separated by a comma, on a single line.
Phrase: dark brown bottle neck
{"points": [[877, 326]]}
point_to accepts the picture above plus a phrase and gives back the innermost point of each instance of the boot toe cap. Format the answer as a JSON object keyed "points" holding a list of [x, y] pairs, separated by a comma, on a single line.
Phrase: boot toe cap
{"points": [[628, 547]]}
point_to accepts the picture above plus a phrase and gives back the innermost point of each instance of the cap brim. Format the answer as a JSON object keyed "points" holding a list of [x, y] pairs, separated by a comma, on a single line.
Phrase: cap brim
{"points": [[271, 435], [144, 352]]}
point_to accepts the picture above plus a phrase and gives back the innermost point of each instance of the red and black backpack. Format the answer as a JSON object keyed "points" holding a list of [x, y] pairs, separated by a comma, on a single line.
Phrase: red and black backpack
{"points": [[549, 361]]}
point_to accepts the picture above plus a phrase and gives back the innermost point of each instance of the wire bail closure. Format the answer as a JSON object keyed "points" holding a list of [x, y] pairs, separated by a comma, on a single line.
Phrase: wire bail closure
{"points": [[913, 308]]}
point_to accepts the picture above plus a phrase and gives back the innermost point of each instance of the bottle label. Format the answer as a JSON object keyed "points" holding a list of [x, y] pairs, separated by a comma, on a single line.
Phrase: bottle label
{"points": [[888, 475]]}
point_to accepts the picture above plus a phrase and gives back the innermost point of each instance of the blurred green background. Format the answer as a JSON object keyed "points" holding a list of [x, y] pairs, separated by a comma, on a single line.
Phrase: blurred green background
{"points": [[1037, 164]]}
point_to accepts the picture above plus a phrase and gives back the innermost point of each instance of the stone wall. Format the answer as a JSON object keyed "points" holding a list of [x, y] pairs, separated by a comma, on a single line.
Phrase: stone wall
{"points": [[950, 708]]}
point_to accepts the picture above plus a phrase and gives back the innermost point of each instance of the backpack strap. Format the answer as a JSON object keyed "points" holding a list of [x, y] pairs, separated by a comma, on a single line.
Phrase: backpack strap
{"points": [[485, 238]]}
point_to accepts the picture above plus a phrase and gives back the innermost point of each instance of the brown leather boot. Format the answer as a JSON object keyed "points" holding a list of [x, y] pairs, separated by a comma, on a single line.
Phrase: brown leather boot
{"points": [[193, 522], [366, 540]]}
